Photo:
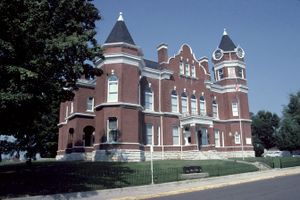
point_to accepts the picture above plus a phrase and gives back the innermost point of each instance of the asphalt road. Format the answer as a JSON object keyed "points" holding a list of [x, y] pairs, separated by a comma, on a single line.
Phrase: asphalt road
{"points": [[287, 188]]}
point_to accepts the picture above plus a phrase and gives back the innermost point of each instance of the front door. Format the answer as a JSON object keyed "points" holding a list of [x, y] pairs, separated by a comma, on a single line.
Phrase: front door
{"points": [[199, 139]]}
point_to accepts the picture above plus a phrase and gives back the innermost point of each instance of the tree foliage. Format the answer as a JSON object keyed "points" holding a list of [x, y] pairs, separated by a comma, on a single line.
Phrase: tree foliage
{"points": [[288, 137], [44, 49], [264, 126]]}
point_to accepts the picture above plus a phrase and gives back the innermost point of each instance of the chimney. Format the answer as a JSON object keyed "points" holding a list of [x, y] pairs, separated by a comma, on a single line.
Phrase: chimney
{"points": [[162, 53]]}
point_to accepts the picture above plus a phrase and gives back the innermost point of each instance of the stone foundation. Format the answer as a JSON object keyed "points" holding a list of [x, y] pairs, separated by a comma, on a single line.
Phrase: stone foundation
{"points": [[127, 155]]}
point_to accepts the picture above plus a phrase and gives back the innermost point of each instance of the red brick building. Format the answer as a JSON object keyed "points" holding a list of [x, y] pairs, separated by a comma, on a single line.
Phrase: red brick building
{"points": [[173, 104]]}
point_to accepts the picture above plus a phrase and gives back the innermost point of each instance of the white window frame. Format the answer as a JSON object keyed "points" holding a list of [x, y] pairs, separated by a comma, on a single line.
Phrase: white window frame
{"points": [[174, 107], [194, 106], [112, 96], [148, 135], [187, 69], [149, 105], [108, 130], [175, 137], [90, 104], [184, 99], [202, 106], [237, 138], [235, 109], [193, 71], [181, 68], [215, 109], [220, 73], [204, 132], [217, 138]]}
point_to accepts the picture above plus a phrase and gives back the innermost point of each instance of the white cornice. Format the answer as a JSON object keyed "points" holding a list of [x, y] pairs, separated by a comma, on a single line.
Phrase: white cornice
{"points": [[80, 114], [196, 119], [232, 120], [225, 89], [230, 63], [156, 73], [108, 104], [124, 58]]}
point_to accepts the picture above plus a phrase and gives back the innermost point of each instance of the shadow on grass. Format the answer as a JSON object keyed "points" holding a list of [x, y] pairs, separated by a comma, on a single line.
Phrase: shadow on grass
{"points": [[63, 177]]}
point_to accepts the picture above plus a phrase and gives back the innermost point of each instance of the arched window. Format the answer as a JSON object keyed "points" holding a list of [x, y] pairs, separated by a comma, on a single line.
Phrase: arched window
{"points": [[193, 105], [148, 99], [174, 101], [215, 109], [112, 95], [184, 105], [202, 106]]}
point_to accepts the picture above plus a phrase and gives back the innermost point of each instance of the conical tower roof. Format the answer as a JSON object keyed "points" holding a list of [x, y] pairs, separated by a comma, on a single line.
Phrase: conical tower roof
{"points": [[120, 33], [226, 43]]}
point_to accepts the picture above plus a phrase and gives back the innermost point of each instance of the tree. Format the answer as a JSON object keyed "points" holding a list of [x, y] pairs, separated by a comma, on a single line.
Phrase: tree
{"points": [[264, 126], [45, 46], [288, 137]]}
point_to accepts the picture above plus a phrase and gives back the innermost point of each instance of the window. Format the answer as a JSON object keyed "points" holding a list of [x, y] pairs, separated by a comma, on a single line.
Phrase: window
{"points": [[112, 89], [112, 129], [193, 105], [202, 106], [184, 106], [193, 71], [240, 72], [181, 69], [187, 69], [90, 104], [217, 138], [204, 137], [235, 110], [174, 101], [175, 135], [237, 138], [220, 74], [148, 99], [215, 109], [231, 72], [149, 134]]}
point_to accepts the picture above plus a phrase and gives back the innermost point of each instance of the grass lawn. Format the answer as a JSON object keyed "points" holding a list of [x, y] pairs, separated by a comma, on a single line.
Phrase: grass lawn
{"points": [[57, 177], [277, 162]]}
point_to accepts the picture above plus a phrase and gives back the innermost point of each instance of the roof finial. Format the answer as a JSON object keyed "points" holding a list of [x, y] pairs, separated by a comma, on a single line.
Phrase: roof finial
{"points": [[224, 33], [121, 17]]}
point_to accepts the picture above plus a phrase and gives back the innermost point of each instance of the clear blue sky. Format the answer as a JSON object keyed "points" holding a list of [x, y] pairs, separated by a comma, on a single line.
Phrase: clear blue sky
{"points": [[268, 31]]}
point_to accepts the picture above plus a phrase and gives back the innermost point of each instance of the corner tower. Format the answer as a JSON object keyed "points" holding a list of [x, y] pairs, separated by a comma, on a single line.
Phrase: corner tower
{"points": [[117, 101], [228, 60]]}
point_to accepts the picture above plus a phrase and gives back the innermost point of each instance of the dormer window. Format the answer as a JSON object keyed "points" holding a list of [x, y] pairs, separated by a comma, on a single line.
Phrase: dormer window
{"points": [[193, 71], [181, 68], [187, 69]]}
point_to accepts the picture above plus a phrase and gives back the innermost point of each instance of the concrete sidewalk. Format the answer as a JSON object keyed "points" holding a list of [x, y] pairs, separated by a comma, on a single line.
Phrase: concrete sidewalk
{"points": [[157, 190]]}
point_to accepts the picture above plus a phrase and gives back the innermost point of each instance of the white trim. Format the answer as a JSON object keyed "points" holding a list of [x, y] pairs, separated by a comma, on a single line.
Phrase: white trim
{"points": [[120, 44], [232, 120], [230, 63], [80, 114], [118, 104], [196, 119], [62, 123], [157, 74], [124, 58], [227, 88]]}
